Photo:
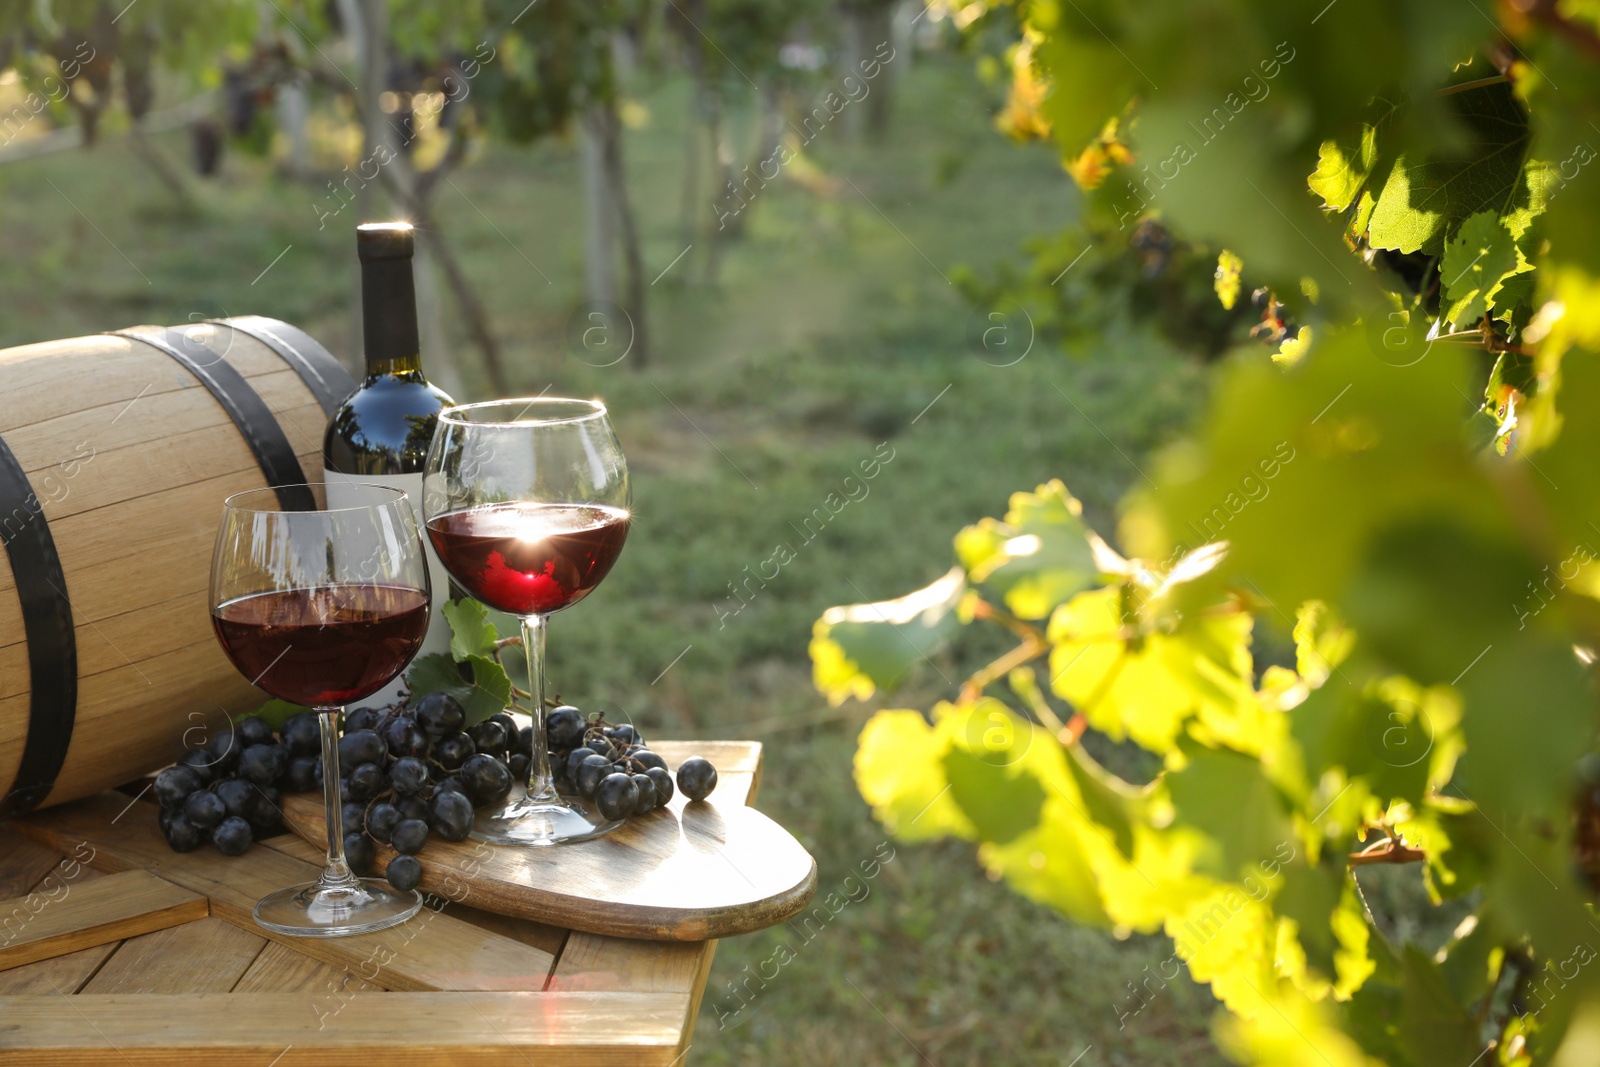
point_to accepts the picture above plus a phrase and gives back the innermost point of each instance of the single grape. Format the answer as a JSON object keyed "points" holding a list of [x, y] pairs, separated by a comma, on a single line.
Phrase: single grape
{"points": [[575, 757], [590, 771], [440, 714], [174, 785], [180, 833], [453, 751], [488, 736], [405, 737], [649, 799], [254, 730], [204, 810], [450, 785], [198, 760], [412, 807], [355, 815], [304, 774], [616, 796], [360, 719], [266, 813], [409, 776], [663, 783], [232, 836], [409, 835], [602, 745], [264, 764], [302, 734], [362, 746], [225, 750], [359, 852], [382, 818], [696, 778], [509, 725], [404, 873], [524, 742], [366, 781], [237, 795], [518, 766], [626, 733], [647, 759], [486, 778], [450, 816], [563, 727]]}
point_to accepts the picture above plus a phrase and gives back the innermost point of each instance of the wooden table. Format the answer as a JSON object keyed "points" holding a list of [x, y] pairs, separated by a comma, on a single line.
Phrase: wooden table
{"points": [[114, 949]]}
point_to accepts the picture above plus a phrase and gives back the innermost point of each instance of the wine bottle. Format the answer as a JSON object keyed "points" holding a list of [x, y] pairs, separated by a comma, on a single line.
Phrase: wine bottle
{"points": [[381, 432]]}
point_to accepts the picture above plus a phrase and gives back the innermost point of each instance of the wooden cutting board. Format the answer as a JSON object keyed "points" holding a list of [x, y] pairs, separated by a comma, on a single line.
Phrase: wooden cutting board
{"points": [[687, 872]]}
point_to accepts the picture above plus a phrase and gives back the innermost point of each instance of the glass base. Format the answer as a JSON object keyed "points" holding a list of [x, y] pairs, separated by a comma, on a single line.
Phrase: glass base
{"points": [[315, 911], [524, 821]]}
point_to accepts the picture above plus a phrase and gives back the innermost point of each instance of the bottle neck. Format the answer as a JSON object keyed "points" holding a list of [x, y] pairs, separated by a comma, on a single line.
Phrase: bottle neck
{"points": [[389, 318]]}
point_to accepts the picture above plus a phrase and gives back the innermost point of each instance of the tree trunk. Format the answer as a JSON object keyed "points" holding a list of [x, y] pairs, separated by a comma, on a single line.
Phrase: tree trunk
{"points": [[466, 295], [633, 257], [721, 182], [294, 111], [599, 263], [879, 30], [169, 176]]}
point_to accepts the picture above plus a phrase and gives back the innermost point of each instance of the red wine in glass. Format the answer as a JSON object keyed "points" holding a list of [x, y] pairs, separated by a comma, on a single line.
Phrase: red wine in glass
{"points": [[323, 646], [527, 558]]}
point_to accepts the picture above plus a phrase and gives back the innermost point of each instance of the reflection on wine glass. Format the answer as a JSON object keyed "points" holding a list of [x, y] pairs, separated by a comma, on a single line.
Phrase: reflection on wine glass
{"points": [[526, 503], [320, 608]]}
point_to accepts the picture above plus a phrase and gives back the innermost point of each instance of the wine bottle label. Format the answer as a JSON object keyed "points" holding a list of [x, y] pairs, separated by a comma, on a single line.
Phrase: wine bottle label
{"points": [[438, 639]]}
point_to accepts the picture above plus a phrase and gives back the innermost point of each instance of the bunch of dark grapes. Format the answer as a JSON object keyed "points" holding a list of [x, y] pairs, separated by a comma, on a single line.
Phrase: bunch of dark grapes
{"points": [[408, 774], [610, 765], [228, 791]]}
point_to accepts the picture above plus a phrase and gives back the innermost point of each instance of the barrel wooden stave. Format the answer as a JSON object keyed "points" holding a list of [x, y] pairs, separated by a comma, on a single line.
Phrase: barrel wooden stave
{"points": [[133, 527]]}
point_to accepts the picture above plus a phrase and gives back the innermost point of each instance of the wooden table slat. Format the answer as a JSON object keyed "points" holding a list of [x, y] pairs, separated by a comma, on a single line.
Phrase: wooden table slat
{"points": [[430, 952], [63, 974], [197, 957], [281, 969], [93, 913], [395, 1029], [23, 863]]}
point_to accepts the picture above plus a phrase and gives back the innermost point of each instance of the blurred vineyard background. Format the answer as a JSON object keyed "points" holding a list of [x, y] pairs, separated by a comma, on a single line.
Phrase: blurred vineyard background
{"points": [[780, 239]]}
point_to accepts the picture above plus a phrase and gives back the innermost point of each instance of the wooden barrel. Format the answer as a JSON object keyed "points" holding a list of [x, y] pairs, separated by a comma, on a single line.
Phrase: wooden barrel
{"points": [[116, 452]]}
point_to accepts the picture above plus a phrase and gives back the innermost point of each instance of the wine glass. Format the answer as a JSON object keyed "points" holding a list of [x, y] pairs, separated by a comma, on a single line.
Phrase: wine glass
{"points": [[321, 608], [526, 503]]}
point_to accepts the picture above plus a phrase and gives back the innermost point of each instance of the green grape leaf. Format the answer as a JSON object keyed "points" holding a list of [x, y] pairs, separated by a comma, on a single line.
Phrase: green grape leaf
{"points": [[1144, 686], [277, 712], [1343, 170], [858, 649], [1422, 199], [899, 771], [1090, 79], [477, 682], [1226, 797], [471, 632], [1321, 642], [1226, 280], [1477, 261], [1001, 802], [1434, 1028], [1309, 895], [1038, 557], [1107, 799]]}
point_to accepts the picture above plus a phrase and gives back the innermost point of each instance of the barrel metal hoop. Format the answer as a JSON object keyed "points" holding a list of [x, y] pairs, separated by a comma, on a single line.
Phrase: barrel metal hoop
{"points": [[328, 381], [47, 625], [271, 448]]}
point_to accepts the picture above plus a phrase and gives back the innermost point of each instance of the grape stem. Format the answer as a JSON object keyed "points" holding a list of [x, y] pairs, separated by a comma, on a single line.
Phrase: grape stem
{"points": [[1389, 850]]}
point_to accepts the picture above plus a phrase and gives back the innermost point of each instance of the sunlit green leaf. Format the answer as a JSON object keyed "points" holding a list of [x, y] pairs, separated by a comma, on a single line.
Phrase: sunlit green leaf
{"points": [[861, 648]]}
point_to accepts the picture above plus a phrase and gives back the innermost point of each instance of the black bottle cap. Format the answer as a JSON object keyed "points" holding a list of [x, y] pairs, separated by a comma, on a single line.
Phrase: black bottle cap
{"points": [[384, 240]]}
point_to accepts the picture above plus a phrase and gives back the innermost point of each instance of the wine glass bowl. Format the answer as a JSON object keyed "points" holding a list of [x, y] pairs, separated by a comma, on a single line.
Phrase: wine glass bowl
{"points": [[526, 503], [320, 608]]}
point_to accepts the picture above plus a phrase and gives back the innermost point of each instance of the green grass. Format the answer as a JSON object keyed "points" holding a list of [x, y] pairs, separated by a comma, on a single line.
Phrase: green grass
{"points": [[832, 333]]}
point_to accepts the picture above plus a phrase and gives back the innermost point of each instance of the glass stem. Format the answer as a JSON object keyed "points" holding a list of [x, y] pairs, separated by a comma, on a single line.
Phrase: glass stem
{"points": [[541, 785], [337, 874]]}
